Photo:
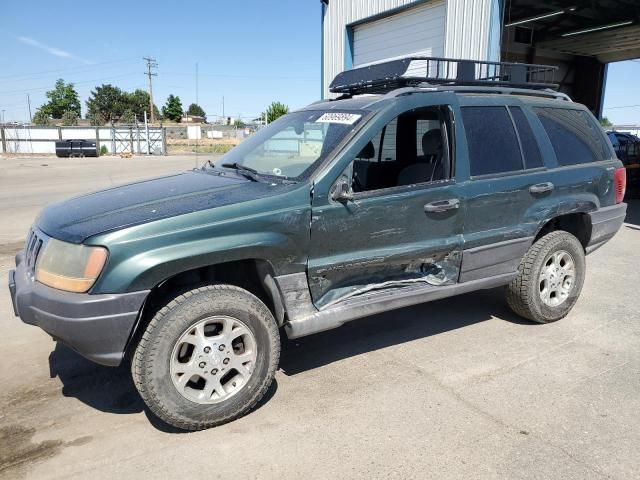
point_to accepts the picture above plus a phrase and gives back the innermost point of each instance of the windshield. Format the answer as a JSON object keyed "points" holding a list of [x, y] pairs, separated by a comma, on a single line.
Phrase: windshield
{"points": [[292, 144]]}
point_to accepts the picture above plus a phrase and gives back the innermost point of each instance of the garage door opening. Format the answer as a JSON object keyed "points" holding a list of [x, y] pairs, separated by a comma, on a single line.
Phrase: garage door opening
{"points": [[581, 38]]}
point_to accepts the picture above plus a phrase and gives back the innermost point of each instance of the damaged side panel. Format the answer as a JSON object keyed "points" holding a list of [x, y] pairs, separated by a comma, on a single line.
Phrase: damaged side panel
{"points": [[383, 240], [383, 272]]}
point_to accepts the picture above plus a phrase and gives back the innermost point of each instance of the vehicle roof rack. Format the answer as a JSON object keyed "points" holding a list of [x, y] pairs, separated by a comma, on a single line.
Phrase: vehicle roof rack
{"points": [[413, 71], [422, 87]]}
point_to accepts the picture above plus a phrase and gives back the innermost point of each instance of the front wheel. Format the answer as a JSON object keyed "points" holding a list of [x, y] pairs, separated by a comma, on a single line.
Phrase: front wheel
{"points": [[549, 279], [207, 357]]}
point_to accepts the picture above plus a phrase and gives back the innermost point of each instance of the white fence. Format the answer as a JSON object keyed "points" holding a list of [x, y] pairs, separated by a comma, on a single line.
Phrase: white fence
{"points": [[124, 139]]}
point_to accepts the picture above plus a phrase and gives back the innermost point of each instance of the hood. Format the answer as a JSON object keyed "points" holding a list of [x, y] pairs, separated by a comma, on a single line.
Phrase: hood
{"points": [[79, 218]]}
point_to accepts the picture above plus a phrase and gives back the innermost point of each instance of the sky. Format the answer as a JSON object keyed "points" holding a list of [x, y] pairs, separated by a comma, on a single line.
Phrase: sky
{"points": [[250, 52]]}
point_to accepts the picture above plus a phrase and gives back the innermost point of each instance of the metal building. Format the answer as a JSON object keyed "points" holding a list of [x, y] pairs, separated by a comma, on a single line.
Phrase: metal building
{"points": [[578, 37], [360, 32]]}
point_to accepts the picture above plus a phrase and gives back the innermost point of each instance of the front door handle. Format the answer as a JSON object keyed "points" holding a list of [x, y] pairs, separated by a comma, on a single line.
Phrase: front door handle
{"points": [[541, 187], [442, 205]]}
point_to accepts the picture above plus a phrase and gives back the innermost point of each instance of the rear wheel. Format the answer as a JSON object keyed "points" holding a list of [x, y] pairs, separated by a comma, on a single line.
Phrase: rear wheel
{"points": [[207, 357], [549, 279]]}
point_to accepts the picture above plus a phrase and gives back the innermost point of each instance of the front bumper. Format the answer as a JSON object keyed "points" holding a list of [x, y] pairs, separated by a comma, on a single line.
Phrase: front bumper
{"points": [[605, 223], [96, 326]]}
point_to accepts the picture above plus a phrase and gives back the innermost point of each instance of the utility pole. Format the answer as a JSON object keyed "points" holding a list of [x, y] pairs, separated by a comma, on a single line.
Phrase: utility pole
{"points": [[3, 117], [224, 119], [29, 103], [151, 63]]}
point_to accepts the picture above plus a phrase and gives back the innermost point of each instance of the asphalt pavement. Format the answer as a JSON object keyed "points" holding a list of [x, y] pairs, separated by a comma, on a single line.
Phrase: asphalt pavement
{"points": [[458, 388]]}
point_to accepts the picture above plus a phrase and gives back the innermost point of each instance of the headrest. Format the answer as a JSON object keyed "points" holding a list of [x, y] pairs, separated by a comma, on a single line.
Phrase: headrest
{"points": [[367, 152], [432, 142]]}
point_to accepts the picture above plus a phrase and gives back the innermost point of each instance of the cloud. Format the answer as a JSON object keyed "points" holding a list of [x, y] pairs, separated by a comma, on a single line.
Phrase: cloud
{"points": [[52, 50]]}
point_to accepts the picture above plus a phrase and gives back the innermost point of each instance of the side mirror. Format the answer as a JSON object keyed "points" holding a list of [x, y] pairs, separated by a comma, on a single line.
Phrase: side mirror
{"points": [[341, 191]]}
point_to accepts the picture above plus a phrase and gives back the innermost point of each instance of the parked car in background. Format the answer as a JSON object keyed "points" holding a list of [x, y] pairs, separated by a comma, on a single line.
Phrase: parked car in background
{"points": [[627, 148]]}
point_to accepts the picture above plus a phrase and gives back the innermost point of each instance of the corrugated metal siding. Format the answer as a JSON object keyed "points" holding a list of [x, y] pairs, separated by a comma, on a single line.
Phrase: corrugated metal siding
{"points": [[468, 25], [339, 14], [418, 31]]}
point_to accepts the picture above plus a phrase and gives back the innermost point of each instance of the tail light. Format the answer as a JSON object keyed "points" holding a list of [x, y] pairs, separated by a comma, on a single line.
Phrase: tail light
{"points": [[620, 179]]}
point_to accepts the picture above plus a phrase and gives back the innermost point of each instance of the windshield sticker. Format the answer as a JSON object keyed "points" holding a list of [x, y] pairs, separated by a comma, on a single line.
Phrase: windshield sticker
{"points": [[337, 117]]}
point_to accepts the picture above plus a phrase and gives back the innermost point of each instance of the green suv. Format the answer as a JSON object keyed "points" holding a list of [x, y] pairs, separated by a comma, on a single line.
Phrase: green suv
{"points": [[407, 188]]}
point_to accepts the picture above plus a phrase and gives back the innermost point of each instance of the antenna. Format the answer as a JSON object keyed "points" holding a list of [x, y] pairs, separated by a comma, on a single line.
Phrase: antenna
{"points": [[151, 63]]}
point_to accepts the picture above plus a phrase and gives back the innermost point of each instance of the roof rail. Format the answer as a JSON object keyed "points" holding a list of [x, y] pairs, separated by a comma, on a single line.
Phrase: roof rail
{"points": [[412, 71], [543, 93]]}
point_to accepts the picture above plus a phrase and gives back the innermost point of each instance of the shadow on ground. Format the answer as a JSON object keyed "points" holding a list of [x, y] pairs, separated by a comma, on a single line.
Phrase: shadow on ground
{"points": [[633, 214], [111, 389], [393, 328], [108, 389]]}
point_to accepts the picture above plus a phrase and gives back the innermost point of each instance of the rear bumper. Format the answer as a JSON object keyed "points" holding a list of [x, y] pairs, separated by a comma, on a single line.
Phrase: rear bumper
{"points": [[96, 326], [605, 223]]}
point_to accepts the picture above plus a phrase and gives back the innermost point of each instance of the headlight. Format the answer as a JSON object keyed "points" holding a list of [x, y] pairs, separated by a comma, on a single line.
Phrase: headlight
{"points": [[70, 267]]}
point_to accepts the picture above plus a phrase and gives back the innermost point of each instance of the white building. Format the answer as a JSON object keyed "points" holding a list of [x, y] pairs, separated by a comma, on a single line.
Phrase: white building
{"points": [[579, 37]]}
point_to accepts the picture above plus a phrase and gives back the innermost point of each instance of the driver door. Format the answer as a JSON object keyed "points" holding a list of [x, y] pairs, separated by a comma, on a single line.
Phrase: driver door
{"points": [[403, 224]]}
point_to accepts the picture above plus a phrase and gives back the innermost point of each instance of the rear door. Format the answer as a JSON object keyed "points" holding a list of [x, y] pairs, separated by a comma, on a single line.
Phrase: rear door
{"points": [[508, 186]]}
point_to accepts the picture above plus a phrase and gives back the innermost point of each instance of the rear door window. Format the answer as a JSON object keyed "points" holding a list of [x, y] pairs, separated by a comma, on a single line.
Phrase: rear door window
{"points": [[493, 144], [573, 134], [530, 149]]}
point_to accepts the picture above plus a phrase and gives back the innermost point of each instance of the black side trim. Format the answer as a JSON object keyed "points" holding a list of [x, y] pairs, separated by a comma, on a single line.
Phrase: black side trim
{"points": [[495, 259]]}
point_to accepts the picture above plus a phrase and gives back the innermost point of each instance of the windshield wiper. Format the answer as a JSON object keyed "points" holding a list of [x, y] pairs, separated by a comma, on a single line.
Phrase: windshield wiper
{"points": [[248, 172]]}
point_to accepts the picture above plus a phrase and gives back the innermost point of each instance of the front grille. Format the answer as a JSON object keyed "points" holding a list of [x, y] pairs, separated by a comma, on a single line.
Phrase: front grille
{"points": [[32, 249]]}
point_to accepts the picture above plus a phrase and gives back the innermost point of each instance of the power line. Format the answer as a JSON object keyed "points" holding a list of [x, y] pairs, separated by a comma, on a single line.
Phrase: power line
{"points": [[225, 75], [75, 83], [622, 106], [81, 69], [151, 63]]}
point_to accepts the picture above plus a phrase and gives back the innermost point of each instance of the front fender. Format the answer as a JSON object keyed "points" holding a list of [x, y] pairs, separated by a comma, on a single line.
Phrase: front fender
{"points": [[143, 256], [149, 268]]}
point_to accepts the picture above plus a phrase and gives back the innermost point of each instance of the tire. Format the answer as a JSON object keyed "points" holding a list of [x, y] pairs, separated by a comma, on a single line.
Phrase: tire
{"points": [[526, 291], [162, 348]]}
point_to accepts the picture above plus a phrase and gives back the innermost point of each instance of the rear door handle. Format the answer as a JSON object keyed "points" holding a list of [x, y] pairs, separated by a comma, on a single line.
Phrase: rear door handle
{"points": [[541, 187], [442, 205]]}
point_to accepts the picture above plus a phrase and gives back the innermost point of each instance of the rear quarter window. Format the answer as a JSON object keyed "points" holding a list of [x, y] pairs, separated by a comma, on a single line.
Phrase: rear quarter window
{"points": [[574, 135], [530, 150], [493, 144]]}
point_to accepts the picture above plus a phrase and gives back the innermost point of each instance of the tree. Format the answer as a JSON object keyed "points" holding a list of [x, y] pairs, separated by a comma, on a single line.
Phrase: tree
{"points": [[63, 98], [96, 119], [138, 102], [240, 124], [196, 110], [275, 111], [128, 117], [605, 122], [108, 101], [69, 118], [173, 108], [41, 118]]}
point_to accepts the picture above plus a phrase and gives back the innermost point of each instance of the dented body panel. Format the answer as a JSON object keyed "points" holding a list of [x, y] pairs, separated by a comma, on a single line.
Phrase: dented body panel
{"points": [[383, 239], [380, 241]]}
